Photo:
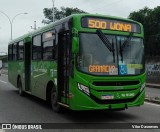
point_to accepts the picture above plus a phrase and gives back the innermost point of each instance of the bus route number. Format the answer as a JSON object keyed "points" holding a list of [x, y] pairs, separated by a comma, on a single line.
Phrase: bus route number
{"points": [[97, 24]]}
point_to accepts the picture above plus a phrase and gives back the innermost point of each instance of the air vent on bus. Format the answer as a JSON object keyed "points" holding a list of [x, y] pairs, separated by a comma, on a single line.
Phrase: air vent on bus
{"points": [[117, 83]]}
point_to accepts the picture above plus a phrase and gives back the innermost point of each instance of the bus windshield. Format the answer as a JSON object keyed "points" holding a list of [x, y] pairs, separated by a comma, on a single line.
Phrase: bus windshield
{"points": [[96, 59]]}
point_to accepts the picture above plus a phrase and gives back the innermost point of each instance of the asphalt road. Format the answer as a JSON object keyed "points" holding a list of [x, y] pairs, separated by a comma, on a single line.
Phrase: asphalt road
{"points": [[29, 109]]}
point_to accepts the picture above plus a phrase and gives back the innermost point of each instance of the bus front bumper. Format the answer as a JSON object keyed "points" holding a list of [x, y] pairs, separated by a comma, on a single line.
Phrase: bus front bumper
{"points": [[84, 102]]}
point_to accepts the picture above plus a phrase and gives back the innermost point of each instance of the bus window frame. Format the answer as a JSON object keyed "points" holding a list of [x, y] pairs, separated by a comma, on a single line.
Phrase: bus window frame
{"points": [[54, 45], [10, 59], [40, 34], [14, 44], [18, 50]]}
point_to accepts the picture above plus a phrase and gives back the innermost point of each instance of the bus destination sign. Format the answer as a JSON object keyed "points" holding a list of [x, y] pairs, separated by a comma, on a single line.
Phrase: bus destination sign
{"points": [[110, 24]]}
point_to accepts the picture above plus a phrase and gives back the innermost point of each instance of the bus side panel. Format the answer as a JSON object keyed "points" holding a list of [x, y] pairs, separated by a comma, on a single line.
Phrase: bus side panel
{"points": [[13, 72], [42, 73]]}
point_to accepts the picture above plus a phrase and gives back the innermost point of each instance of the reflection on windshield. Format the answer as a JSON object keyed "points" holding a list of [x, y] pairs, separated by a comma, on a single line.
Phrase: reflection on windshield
{"points": [[106, 42], [122, 45], [95, 58]]}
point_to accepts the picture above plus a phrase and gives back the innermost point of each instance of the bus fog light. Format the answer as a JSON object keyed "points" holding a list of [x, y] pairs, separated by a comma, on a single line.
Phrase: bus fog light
{"points": [[84, 89], [142, 87]]}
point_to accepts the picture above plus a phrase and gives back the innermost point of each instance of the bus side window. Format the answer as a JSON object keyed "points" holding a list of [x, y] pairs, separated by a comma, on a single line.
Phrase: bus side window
{"points": [[14, 52], [20, 50], [48, 41], [10, 52], [48, 50], [37, 48]]}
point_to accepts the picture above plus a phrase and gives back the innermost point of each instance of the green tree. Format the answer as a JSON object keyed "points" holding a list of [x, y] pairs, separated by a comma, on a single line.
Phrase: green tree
{"points": [[150, 19], [59, 14]]}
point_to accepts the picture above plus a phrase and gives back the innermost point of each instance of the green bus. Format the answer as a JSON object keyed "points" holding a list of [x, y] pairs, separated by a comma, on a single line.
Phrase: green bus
{"points": [[82, 62]]}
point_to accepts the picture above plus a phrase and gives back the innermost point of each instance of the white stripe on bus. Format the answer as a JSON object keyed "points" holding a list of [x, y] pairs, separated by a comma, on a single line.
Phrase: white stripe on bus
{"points": [[39, 75]]}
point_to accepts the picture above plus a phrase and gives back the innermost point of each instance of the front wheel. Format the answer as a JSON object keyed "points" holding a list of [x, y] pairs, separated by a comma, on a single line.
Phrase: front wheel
{"points": [[21, 92], [54, 100]]}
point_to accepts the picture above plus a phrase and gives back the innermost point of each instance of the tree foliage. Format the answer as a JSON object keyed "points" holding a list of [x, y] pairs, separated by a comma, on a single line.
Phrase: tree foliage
{"points": [[59, 14], [150, 18]]}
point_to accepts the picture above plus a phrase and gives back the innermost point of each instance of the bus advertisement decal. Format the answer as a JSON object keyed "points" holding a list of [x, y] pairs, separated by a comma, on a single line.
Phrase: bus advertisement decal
{"points": [[135, 66], [113, 71], [123, 69]]}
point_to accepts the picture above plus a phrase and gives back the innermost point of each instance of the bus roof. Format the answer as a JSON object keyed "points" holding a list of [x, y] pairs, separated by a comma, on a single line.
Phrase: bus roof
{"points": [[49, 26]]}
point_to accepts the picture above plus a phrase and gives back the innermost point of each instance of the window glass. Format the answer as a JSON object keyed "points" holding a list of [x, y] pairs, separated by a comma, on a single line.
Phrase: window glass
{"points": [[37, 48], [15, 51], [96, 58], [50, 35], [10, 52], [49, 45], [48, 48], [131, 56], [20, 50]]}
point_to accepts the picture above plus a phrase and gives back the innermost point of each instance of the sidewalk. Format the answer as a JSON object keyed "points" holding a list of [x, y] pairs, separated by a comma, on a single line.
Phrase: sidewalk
{"points": [[152, 85], [153, 99]]}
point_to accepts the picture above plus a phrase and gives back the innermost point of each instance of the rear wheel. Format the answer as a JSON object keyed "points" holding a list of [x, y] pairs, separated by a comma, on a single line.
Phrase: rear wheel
{"points": [[21, 92], [54, 100]]}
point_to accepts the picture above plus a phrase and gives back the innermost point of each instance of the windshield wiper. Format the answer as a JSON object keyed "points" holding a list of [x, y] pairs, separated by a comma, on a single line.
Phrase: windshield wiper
{"points": [[121, 50], [121, 46], [106, 42], [127, 40]]}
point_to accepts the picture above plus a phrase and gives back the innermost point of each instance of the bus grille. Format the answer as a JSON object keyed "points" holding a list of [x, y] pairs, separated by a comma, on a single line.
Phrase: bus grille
{"points": [[117, 83]]}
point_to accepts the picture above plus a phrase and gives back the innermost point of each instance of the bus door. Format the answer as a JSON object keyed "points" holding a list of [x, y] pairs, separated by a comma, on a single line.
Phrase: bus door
{"points": [[27, 65], [64, 52]]}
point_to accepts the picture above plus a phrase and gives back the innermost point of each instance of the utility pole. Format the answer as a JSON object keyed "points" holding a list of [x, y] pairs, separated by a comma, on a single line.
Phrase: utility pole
{"points": [[11, 20], [35, 26], [53, 9]]}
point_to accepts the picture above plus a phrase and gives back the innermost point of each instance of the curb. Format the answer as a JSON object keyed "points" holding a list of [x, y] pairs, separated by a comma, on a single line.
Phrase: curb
{"points": [[153, 86], [152, 100]]}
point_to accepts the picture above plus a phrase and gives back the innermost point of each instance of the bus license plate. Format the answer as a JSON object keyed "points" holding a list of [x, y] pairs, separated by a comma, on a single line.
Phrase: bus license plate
{"points": [[107, 97]]}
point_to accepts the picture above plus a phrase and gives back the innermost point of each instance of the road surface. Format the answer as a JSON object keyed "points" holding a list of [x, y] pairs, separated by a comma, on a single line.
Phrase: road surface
{"points": [[29, 109]]}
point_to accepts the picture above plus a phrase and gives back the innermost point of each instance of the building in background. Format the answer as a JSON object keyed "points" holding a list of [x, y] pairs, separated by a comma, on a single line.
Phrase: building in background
{"points": [[4, 63]]}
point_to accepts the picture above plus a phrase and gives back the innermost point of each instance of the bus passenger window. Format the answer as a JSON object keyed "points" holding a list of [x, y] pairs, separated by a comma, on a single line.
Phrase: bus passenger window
{"points": [[10, 52], [48, 40], [14, 51], [37, 48], [20, 50], [48, 50]]}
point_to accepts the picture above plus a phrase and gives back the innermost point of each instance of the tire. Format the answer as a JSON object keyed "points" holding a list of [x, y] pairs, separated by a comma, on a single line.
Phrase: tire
{"points": [[54, 101], [21, 92]]}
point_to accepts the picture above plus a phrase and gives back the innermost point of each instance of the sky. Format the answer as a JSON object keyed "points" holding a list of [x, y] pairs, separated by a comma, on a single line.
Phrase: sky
{"points": [[23, 22]]}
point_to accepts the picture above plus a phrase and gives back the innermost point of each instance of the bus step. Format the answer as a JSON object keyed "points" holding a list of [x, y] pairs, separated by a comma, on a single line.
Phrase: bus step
{"points": [[63, 104]]}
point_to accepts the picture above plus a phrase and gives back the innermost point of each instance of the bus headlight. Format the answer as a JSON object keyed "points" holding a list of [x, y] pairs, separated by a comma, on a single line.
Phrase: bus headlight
{"points": [[142, 87], [84, 89]]}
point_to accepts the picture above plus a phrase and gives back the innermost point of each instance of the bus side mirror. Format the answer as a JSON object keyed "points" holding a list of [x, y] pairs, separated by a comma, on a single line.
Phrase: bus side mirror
{"points": [[75, 45]]}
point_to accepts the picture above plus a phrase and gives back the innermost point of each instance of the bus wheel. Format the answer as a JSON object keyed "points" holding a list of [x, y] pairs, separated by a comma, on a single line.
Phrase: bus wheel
{"points": [[54, 101], [21, 92]]}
